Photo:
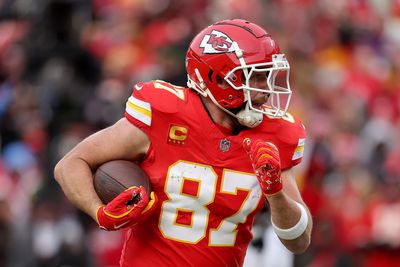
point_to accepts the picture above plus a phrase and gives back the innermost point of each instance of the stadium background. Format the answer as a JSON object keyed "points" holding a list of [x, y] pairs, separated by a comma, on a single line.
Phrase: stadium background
{"points": [[67, 67]]}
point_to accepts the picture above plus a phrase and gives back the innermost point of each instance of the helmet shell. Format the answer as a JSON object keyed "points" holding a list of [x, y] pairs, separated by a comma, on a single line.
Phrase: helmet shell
{"points": [[213, 53]]}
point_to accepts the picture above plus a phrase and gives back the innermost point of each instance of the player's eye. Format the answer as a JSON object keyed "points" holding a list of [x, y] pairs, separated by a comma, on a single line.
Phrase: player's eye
{"points": [[260, 76]]}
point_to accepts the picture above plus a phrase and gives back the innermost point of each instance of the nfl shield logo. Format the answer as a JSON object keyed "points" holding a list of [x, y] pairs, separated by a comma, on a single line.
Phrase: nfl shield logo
{"points": [[224, 145]]}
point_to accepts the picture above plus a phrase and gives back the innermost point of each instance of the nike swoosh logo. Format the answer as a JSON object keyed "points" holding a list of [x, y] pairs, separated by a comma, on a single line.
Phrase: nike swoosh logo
{"points": [[138, 88], [120, 225]]}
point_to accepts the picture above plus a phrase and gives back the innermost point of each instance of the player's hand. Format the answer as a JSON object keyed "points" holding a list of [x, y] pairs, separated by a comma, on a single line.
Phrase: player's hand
{"points": [[127, 209], [266, 163]]}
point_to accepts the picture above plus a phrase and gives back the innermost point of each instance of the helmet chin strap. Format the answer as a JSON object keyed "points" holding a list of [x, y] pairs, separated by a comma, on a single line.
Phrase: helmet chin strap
{"points": [[248, 117]]}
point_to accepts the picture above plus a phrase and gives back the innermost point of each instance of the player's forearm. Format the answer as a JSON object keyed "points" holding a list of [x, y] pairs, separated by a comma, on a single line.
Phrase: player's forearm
{"points": [[285, 214], [75, 178]]}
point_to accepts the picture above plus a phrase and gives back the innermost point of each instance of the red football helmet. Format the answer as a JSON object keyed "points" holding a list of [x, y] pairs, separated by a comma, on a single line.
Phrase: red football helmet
{"points": [[235, 51]]}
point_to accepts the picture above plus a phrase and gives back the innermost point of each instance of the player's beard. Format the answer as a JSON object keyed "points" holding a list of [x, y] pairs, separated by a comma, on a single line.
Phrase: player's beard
{"points": [[250, 116], [257, 102]]}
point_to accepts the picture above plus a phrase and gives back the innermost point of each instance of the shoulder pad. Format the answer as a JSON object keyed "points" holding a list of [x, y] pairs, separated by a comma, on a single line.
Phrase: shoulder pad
{"points": [[290, 130], [287, 128], [160, 95], [153, 97], [291, 136]]}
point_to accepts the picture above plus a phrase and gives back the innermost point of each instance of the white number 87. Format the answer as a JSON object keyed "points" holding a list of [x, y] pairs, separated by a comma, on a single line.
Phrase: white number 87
{"points": [[196, 204]]}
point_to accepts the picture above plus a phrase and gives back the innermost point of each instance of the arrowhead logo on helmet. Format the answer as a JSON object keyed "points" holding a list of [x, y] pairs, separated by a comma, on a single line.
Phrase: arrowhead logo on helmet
{"points": [[216, 42]]}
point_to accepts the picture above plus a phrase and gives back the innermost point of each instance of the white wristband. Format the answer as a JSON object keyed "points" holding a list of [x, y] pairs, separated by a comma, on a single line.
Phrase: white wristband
{"points": [[295, 231]]}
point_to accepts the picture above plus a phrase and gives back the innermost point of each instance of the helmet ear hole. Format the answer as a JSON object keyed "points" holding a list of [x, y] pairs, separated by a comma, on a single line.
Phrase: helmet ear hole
{"points": [[210, 73]]}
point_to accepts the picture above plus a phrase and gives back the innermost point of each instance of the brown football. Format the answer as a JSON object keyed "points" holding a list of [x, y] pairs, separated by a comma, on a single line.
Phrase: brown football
{"points": [[113, 177]]}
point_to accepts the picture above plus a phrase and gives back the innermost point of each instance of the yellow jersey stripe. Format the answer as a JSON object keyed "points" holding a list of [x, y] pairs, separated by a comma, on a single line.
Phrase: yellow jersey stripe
{"points": [[139, 109], [299, 150]]}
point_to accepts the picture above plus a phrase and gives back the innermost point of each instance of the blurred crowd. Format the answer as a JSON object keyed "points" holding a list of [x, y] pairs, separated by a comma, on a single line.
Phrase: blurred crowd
{"points": [[68, 66]]}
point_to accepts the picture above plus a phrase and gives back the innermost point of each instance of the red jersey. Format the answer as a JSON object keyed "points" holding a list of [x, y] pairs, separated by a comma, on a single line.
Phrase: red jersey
{"points": [[208, 193]]}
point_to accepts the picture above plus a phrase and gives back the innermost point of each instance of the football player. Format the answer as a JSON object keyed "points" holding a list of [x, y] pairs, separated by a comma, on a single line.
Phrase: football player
{"points": [[214, 152]]}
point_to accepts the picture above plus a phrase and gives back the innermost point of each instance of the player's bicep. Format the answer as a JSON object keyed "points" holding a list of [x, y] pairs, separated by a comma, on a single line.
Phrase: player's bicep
{"points": [[122, 140]]}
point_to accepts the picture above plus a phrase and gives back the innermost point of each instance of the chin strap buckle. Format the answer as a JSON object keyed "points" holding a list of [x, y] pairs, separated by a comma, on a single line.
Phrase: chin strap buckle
{"points": [[249, 118]]}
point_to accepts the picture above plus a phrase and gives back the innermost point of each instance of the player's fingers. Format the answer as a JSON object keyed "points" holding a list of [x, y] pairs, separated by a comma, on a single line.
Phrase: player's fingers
{"points": [[151, 203], [133, 188], [260, 145], [269, 148], [124, 201], [270, 144], [122, 198], [247, 145], [116, 212], [274, 152], [262, 153], [275, 162], [252, 147], [266, 157], [144, 198]]}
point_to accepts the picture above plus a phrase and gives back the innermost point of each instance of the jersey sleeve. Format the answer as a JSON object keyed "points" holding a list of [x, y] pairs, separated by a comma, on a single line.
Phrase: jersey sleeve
{"points": [[152, 100], [292, 138]]}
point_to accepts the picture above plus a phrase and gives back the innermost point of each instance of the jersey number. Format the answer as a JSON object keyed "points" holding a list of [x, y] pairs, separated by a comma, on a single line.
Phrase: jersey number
{"points": [[194, 204], [176, 90]]}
